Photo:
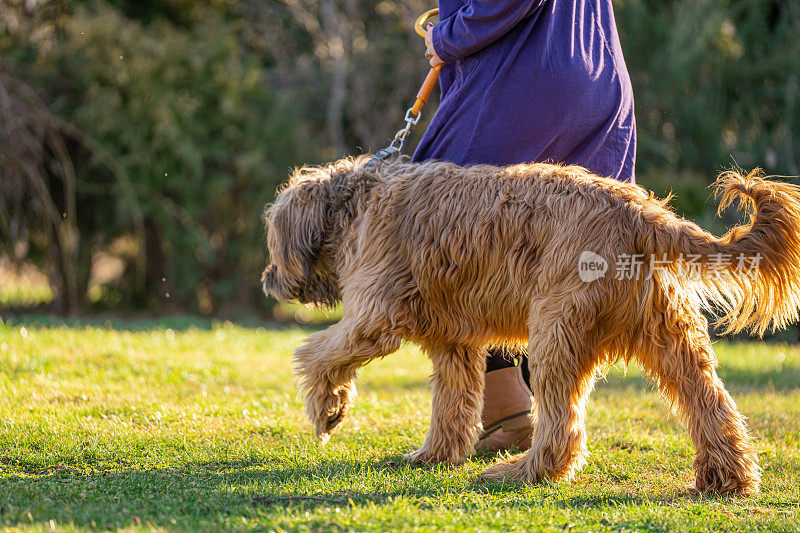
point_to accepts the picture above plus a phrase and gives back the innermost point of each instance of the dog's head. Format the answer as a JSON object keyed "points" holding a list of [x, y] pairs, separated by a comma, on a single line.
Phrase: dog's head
{"points": [[303, 228]]}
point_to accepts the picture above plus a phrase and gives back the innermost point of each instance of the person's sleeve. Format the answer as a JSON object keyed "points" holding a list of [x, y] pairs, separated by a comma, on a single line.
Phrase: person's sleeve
{"points": [[477, 25]]}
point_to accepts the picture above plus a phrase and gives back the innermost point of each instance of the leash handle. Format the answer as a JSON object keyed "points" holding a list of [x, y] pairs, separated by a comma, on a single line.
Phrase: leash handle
{"points": [[419, 25], [427, 89]]}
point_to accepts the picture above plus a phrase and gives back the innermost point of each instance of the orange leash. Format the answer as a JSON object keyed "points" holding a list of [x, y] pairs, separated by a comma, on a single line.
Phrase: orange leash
{"points": [[433, 75], [414, 113], [426, 90]]}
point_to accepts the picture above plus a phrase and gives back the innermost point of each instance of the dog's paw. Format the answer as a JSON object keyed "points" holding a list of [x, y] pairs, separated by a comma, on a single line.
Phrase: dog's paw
{"points": [[516, 468], [717, 480], [331, 416], [504, 470], [531, 467], [327, 410], [427, 455]]}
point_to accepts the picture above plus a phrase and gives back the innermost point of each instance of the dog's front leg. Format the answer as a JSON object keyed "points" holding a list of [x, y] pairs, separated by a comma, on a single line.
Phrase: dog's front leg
{"points": [[457, 402], [326, 366]]}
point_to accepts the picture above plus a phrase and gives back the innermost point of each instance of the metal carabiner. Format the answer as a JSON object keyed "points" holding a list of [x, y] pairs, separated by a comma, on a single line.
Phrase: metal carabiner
{"points": [[400, 137]]}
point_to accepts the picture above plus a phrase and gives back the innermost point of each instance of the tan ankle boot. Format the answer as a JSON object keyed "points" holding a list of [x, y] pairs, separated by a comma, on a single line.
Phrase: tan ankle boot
{"points": [[507, 403]]}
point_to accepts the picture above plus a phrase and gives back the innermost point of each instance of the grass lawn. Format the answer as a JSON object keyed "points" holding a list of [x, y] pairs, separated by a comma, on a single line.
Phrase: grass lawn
{"points": [[185, 424]]}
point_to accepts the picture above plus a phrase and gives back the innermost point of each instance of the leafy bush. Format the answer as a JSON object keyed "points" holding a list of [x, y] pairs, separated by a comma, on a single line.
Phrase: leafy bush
{"points": [[716, 84], [185, 119]]}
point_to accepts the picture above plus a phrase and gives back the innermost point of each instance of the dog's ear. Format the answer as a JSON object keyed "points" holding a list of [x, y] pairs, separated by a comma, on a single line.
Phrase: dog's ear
{"points": [[311, 227], [299, 222], [296, 228], [323, 192]]}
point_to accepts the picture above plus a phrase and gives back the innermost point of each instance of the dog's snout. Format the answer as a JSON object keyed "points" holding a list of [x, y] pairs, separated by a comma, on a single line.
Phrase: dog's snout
{"points": [[268, 280], [276, 284]]}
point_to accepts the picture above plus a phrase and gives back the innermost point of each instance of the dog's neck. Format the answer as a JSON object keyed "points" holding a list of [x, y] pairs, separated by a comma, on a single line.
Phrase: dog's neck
{"points": [[351, 192]]}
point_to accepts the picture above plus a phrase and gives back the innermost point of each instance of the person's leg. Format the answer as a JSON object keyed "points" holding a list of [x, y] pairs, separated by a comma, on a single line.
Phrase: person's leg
{"points": [[507, 401], [501, 357]]}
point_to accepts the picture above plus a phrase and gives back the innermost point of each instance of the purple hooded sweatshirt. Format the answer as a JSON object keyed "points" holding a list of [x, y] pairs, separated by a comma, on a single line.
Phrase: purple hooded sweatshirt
{"points": [[532, 81]]}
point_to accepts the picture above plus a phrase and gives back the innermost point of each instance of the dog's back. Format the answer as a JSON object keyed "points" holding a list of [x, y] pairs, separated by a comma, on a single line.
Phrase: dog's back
{"points": [[482, 242]]}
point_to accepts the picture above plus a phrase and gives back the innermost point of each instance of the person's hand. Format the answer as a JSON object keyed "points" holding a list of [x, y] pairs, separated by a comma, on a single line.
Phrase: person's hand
{"points": [[431, 52]]}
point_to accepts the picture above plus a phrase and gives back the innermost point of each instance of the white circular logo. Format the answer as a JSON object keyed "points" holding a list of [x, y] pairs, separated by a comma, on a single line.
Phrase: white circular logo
{"points": [[591, 266]]}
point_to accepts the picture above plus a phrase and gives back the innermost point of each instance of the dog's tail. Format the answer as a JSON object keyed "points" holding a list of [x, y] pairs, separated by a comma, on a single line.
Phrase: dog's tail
{"points": [[750, 278]]}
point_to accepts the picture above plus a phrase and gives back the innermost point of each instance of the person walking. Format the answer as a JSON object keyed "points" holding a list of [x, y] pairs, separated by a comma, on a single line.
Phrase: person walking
{"points": [[528, 81]]}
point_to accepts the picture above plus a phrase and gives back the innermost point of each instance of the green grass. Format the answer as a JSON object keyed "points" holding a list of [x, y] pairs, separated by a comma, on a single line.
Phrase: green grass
{"points": [[187, 424]]}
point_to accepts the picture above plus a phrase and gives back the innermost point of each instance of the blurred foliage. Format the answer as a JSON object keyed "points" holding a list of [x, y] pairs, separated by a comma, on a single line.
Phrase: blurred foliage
{"points": [[180, 117], [184, 118], [189, 118], [716, 84]]}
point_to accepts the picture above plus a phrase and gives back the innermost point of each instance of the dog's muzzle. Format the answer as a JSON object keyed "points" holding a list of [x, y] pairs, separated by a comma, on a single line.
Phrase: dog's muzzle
{"points": [[268, 281], [273, 286]]}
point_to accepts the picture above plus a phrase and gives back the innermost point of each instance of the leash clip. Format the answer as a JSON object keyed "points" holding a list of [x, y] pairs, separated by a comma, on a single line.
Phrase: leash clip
{"points": [[400, 137], [414, 113], [396, 146]]}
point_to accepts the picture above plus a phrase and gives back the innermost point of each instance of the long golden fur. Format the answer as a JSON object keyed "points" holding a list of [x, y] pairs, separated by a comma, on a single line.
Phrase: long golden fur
{"points": [[454, 258]]}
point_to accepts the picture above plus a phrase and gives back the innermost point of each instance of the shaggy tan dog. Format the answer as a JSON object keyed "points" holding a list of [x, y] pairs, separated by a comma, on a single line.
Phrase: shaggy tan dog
{"points": [[455, 258]]}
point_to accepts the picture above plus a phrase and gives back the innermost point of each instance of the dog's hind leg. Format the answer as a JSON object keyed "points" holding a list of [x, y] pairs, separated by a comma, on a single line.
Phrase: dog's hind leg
{"points": [[457, 402], [683, 363], [562, 377], [326, 366]]}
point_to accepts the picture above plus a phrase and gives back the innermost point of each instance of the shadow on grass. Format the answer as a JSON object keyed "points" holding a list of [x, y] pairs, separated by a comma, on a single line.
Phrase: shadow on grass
{"points": [[281, 318], [192, 497], [747, 380], [218, 495]]}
